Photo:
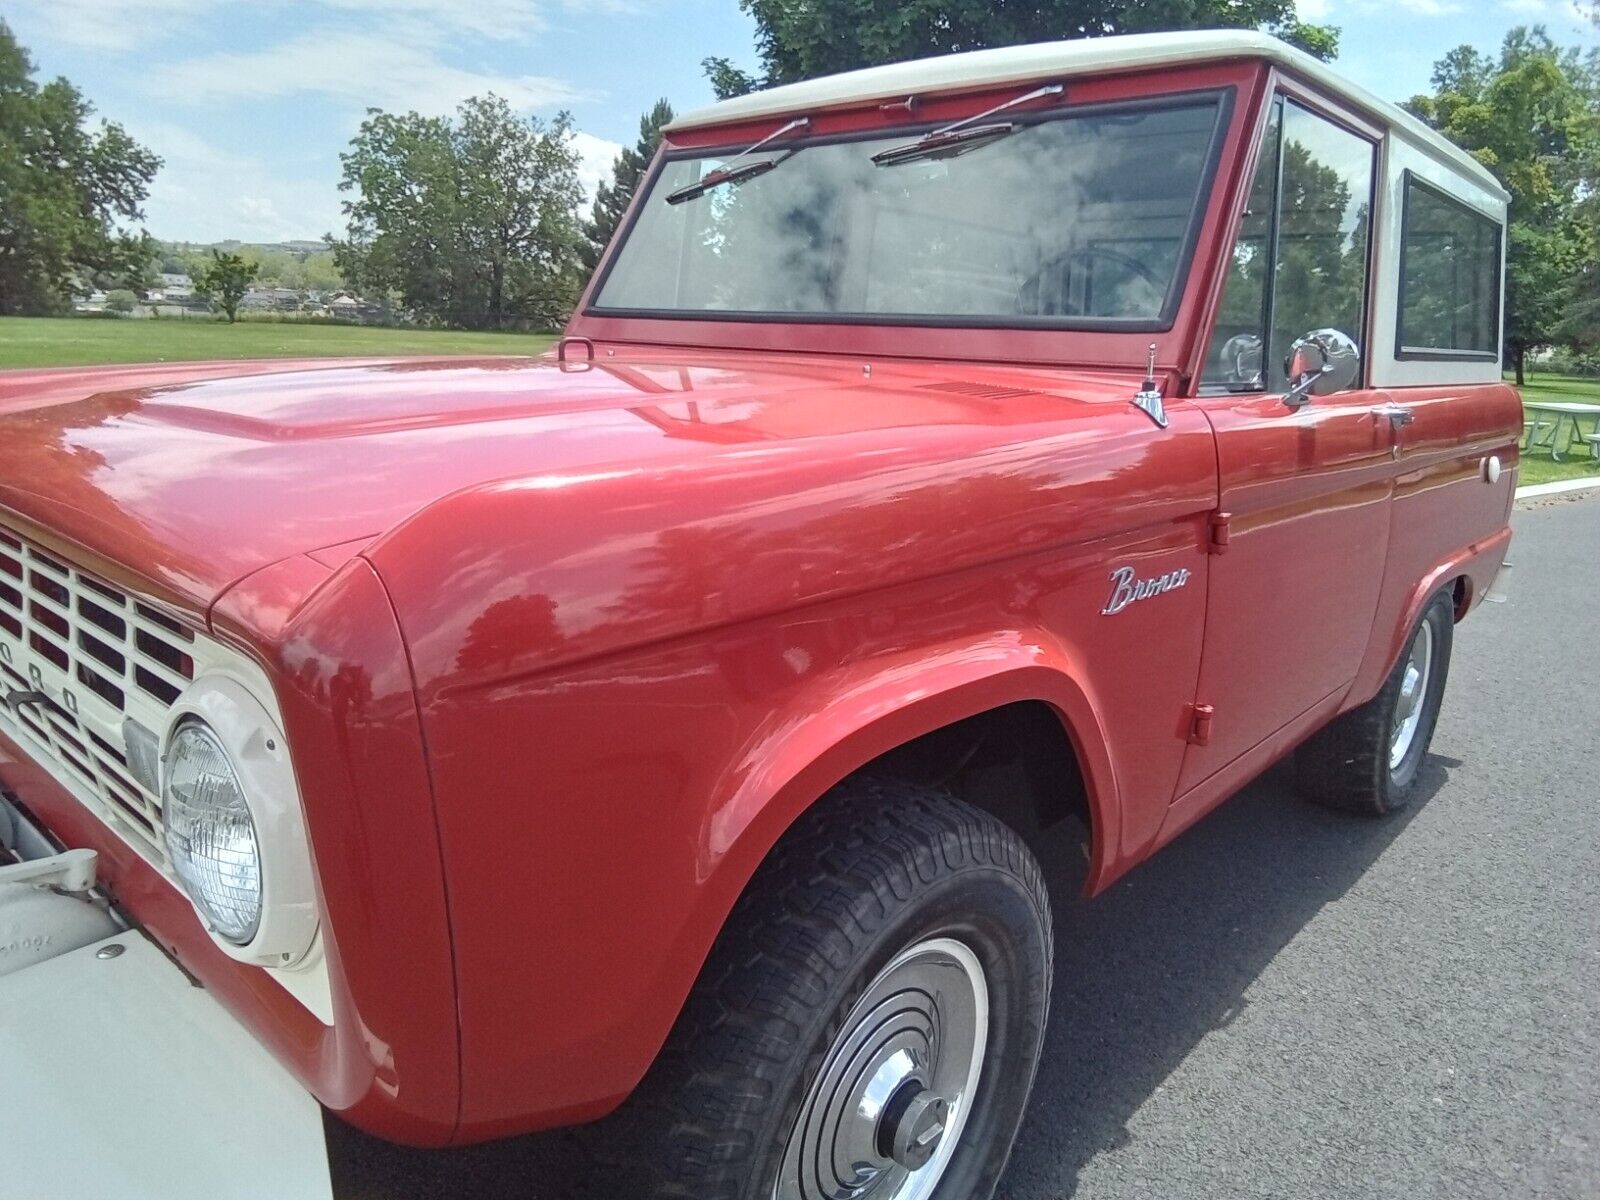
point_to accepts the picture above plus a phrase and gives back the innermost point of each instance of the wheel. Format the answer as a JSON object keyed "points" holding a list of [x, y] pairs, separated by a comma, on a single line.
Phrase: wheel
{"points": [[1368, 760], [868, 1023]]}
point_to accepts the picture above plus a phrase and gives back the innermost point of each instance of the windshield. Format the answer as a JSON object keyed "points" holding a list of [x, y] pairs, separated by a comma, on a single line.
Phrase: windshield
{"points": [[1080, 219]]}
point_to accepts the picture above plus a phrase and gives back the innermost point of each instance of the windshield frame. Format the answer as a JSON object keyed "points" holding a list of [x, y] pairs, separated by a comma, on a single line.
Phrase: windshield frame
{"points": [[1223, 96]]}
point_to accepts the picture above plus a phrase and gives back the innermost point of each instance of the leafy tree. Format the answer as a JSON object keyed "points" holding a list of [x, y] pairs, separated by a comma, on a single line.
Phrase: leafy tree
{"points": [[64, 191], [801, 41], [611, 199], [121, 300], [471, 220], [1533, 119], [224, 281]]}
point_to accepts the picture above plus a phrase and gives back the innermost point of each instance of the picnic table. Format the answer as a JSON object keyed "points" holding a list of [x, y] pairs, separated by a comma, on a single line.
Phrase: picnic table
{"points": [[1563, 415]]}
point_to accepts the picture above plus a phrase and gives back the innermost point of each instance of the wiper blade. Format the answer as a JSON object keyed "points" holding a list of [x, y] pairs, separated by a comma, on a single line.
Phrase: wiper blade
{"points": [[733, 172], [964, 135], [721, 176], [943, 143]]}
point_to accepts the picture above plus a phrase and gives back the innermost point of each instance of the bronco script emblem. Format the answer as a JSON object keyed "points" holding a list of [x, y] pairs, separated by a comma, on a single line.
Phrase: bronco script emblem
{"points": [[1125, 589]]}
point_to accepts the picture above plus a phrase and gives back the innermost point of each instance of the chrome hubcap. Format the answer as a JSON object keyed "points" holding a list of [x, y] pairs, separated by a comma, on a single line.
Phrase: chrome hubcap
{"points": [[1413, 692], [885, 1112]]}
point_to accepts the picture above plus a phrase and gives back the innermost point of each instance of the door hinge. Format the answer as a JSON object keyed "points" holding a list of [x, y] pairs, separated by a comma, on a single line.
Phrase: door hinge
{"points": [[1217, 532], [1200, 724]]}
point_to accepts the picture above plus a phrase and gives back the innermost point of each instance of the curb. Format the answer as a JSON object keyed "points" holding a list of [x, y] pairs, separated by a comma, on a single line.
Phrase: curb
{"points": [[1561, 485]]}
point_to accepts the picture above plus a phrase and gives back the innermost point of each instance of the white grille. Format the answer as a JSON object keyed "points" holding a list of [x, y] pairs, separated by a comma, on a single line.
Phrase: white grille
{"points": [[101, 656]]}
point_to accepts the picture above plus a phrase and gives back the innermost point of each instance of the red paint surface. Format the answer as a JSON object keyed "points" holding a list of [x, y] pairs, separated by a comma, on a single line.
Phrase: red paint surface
{"points": [[562, 652]]}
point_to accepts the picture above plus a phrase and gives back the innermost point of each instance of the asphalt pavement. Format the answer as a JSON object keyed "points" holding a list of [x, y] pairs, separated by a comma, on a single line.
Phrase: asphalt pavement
{"points": [[1288, 1002]]}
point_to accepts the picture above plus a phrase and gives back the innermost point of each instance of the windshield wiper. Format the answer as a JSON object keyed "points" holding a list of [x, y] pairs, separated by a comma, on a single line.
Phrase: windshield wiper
{"points": [[730, 173], [963, 136]]}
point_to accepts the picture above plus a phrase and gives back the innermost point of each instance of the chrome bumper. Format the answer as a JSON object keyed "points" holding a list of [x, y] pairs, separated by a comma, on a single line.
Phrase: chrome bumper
{"points": [[121, 1076]]}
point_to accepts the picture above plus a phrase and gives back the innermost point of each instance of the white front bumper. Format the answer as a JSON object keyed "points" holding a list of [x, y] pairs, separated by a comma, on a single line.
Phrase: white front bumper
{"points": [[120, 1077]]}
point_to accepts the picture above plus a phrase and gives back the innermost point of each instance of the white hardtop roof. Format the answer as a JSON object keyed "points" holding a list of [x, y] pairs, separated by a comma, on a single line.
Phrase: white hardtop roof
{"points": [[1083, 56]]}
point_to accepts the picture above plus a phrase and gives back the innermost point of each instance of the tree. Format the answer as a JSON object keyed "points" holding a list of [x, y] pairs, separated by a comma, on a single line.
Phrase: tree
{"points": [[64, 191], [121, 300], [1533, 118], [224, 281], [611, 199], [801, 41], [471, 220]]}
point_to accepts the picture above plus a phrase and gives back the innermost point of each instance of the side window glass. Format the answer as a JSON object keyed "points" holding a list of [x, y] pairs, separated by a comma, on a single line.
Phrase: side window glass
{"points": [[1449, 278], [1300, 263], [1324, 219], [1235, 359]]}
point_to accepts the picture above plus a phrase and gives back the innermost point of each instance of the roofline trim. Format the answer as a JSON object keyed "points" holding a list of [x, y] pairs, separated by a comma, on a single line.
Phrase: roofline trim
{"points": [[1083, 56]]}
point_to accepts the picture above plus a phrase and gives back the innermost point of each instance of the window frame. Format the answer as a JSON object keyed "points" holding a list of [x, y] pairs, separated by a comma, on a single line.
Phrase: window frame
{"points": [[1404, 353], [1224, 98], [1283, 92]]}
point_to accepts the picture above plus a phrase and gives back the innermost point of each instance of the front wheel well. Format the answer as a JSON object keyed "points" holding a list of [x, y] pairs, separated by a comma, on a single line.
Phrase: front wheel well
{"points": [[1016, 762]]}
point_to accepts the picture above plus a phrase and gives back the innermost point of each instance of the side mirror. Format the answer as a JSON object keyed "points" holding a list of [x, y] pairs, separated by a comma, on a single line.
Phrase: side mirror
{"points": [[1242, 361], [1321, 363]]}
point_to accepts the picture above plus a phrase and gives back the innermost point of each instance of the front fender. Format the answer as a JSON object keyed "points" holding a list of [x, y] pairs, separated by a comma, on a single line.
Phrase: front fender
{"points": [[586, 897]]}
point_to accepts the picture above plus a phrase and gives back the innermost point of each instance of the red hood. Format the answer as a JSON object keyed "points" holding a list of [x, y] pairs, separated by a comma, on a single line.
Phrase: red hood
{"points": [[193, 476]]}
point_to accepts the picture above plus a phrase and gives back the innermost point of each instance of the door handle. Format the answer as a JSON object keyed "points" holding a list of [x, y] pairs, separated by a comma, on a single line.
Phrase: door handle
{"points": [[1398, 414]]}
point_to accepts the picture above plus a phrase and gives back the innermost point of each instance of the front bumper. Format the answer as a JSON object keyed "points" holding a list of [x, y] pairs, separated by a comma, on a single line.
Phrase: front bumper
{"points": [[123, 1077]]}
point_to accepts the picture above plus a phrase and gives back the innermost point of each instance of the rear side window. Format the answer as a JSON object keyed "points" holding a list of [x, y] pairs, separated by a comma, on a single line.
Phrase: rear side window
{"points": [[1449, 278]]}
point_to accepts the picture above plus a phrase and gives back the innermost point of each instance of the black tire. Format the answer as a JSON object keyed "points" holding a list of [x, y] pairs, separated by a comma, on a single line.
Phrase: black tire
{"points": [[876, 867], [1347, 764]]}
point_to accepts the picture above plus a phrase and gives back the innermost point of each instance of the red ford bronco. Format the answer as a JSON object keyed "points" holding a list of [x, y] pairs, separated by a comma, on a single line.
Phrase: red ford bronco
{"points": [[942, 452]]}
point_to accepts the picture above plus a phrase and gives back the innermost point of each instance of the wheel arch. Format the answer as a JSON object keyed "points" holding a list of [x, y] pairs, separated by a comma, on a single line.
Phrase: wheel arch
{"points": [[861, 720], [1466, 574]]}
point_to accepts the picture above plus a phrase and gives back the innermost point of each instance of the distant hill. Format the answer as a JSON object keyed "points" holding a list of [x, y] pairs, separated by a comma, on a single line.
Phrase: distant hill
{"points": [[298, 265]]}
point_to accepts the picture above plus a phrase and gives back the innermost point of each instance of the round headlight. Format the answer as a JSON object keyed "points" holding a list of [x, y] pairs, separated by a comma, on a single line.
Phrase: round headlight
{"points": [[210, 834]]}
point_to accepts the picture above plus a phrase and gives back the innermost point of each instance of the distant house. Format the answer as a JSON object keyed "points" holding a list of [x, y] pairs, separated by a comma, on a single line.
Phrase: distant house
{"points": [[344, 305], [271, 300], [176, 287]]}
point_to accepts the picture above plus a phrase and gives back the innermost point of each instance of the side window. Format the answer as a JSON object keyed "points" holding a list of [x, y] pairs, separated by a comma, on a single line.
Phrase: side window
{"points": [[1235, 359], [1449, 278], [1317, 243]]}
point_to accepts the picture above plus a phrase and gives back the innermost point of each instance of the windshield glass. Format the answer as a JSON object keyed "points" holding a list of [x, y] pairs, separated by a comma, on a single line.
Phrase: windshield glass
{"points": [[1082, 218]]}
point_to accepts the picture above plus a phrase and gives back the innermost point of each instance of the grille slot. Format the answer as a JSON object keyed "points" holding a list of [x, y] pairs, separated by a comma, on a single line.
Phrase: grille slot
{"points": [[102, 656]]}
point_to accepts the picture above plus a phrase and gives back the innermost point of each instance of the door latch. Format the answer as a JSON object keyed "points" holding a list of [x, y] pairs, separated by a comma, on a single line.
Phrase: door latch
{"points": [[1398, 414]]}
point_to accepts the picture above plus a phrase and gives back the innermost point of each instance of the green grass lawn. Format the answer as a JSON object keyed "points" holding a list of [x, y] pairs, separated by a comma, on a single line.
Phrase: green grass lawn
{"points": [[64, 341], [1537, 465]]}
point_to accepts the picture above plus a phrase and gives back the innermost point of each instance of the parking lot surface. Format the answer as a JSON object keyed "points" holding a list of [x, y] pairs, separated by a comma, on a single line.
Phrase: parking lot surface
{"points": [[1293, 1003]]}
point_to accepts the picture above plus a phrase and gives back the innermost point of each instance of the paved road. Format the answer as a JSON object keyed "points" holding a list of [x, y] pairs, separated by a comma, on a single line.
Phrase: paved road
{"points": [[1291, 1003]]}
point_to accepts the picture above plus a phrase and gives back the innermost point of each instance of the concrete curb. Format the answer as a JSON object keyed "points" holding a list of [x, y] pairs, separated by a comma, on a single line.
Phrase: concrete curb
{"points": [[1561, 485]]}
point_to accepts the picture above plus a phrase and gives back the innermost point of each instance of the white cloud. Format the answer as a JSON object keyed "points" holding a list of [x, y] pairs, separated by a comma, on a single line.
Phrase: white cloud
{"points": [[594, 165], [1312, 10], [355, 69], [105, 26], [204, 193], [207, 194], [501, 20], [117, 26]]}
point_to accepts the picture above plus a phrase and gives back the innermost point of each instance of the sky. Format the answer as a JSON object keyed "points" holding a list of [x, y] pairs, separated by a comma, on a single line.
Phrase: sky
{"points": [[250, 104]]}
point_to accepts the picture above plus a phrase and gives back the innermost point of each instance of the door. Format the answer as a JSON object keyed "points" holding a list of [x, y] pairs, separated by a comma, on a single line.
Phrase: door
{"points": [[1307, 489]]}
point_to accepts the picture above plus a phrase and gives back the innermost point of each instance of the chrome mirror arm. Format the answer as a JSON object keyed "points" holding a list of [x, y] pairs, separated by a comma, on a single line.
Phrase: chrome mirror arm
{"points": [[1339, 366], [1299, 393]]}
